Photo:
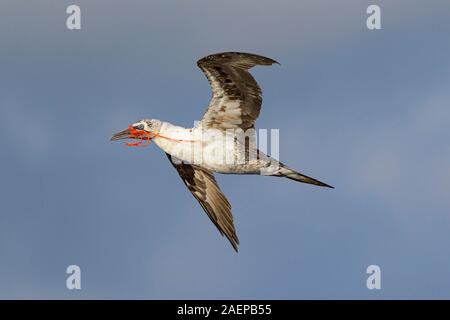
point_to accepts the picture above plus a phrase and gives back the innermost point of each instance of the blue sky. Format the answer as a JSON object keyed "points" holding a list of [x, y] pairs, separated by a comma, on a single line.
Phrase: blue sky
{"points": [[366, 111]]}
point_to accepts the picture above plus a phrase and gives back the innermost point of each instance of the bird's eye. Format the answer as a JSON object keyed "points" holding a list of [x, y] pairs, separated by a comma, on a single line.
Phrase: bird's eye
{"points": [[139, 127]]}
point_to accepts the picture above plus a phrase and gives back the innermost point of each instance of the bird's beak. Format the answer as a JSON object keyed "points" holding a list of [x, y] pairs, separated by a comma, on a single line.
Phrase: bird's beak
{"points": [[125, 134]]}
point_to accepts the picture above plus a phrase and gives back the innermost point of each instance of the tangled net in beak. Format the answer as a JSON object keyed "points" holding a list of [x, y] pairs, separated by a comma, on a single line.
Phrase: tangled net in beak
{"points": [[142, 135], [139, 135]]}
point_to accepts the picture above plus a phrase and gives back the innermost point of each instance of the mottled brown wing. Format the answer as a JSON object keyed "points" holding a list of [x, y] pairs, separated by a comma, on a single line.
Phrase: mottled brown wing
{"points": [[204, 188], [236, 97]]}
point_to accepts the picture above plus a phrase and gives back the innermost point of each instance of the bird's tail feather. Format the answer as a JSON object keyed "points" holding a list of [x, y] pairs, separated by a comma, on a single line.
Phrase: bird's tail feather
{"points": [[297, 176]]}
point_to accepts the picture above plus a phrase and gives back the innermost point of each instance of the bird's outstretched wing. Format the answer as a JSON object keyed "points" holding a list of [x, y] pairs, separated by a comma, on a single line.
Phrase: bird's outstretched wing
{"points": [[236, 97], [204, 188]]}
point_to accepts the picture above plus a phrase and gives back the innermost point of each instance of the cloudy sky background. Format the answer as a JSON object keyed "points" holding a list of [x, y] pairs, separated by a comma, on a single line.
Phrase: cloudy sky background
{"points": [[366, 111]]}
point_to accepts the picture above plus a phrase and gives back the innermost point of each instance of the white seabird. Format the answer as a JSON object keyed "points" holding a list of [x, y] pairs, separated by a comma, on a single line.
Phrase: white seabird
{"points": [[220, 142]]}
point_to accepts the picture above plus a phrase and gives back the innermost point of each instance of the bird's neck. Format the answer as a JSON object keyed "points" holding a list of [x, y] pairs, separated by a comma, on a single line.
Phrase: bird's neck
{"points": [[170, 136], [172, 131]]}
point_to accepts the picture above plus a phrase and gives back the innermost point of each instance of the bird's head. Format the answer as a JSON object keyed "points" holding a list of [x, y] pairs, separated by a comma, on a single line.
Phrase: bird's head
{"points": [[143, 130]]}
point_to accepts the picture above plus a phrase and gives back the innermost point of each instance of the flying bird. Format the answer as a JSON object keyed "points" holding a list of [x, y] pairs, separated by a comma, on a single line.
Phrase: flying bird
{"points": [[221, 141]]}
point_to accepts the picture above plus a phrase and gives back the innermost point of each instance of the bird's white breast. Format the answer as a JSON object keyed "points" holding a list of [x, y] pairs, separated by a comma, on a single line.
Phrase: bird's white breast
{"points": [[213, 149]]}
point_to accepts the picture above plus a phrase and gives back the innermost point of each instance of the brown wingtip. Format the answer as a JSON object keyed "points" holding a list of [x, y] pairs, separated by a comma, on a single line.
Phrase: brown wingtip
{"points": [[234, 241], [239, 59]]}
